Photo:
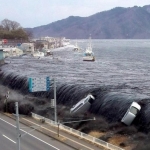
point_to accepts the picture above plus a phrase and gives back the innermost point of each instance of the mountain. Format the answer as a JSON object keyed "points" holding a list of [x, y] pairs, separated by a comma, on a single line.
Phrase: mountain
{"points": [[117, 23]]}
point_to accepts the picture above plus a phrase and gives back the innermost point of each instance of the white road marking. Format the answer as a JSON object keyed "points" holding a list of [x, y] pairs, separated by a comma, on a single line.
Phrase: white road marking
{"points": [[60, 134], [8, 138], [31, 135]]}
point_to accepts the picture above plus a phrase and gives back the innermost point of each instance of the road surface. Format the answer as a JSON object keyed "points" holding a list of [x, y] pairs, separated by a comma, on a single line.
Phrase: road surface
{"points": [[32, 141]]}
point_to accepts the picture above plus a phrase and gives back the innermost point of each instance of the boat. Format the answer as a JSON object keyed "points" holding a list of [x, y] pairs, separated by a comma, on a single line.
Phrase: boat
{"points": [[89, 55], [38, 54], [76, 48]]}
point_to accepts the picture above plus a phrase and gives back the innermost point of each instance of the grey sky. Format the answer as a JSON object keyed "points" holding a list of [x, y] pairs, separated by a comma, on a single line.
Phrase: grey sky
{"points": [[33, 13]]}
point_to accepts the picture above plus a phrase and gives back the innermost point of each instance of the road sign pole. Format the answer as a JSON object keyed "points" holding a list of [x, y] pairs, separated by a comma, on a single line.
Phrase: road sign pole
{"points": [[17, 126], [55, 103]]}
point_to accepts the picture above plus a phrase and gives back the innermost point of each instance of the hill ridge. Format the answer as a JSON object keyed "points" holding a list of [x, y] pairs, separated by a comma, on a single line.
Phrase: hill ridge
{"points": [[116, 23]]}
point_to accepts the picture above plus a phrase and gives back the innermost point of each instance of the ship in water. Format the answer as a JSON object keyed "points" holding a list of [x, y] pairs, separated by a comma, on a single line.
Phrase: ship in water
{"points": [[89, 55], [77, 48]]}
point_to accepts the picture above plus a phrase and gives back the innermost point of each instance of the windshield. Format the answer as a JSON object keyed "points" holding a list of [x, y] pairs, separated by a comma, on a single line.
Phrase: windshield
{"points": [[134, 110]]}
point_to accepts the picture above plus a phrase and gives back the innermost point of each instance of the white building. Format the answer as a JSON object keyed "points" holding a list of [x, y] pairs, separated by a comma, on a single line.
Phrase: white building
{"points": [[12, 51], [27, 47]]}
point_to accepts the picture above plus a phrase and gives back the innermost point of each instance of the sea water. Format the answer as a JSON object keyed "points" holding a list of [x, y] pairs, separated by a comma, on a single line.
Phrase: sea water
{"points": [[119, 75]]}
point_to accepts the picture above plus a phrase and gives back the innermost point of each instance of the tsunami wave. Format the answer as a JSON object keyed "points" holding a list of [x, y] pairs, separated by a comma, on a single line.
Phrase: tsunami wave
{"points": [[108, 104]]}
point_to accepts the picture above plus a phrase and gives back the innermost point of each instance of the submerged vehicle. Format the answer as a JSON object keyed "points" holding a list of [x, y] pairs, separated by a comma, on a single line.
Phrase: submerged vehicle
{"points": [[83, 105], [131, 113]]}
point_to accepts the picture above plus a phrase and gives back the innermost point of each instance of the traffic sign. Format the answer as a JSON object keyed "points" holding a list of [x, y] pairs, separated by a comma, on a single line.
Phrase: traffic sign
{"points": [[39, 84]]}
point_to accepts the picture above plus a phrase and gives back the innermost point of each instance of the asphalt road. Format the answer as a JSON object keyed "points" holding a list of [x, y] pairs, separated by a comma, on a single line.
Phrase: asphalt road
{"points": [[32, 141]]}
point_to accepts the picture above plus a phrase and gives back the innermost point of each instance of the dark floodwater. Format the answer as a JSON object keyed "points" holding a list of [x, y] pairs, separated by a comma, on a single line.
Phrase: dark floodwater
{"points": [[121, 66]]}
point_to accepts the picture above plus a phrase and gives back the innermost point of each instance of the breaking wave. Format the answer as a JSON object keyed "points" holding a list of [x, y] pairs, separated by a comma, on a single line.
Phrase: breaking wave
{"points": [[108, 104]]}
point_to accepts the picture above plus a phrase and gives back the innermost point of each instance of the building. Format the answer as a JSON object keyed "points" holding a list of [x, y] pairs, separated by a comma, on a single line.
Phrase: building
{"points": [[12, 42], [54, 42], [1, 56], [12, 51], [28, 48], [42, 44]]}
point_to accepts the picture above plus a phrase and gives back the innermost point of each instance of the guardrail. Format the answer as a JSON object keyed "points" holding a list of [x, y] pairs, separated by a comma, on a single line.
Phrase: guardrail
{"points": [[78, 133]]}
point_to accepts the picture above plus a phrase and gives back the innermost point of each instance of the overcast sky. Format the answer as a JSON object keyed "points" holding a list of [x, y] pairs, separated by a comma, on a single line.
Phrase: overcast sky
{"points": [[33, 13]]}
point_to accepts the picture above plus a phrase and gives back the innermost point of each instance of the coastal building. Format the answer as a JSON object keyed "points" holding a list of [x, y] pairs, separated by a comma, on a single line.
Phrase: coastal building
{"points": [[28, 48], [12, 51], [49, 39], [12, 42], [54, 42], [1, 56], [42, 44], [47, 42]]}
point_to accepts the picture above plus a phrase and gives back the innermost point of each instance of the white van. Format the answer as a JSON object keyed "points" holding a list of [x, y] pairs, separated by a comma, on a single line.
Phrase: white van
{"points": [[83, 105], [131, 113]]}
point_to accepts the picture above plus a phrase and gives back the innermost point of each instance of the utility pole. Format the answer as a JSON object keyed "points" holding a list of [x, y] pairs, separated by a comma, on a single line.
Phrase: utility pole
{"points": [[17, 126], [43, 84]]}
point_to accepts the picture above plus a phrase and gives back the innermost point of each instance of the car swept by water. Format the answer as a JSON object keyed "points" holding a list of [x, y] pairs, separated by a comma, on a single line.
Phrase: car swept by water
{"points": [[131, 113], [83, 105]]}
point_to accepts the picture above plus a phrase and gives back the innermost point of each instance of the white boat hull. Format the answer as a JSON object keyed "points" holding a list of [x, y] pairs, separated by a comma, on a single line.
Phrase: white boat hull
{"points": [[38, 54], [89, 58]]}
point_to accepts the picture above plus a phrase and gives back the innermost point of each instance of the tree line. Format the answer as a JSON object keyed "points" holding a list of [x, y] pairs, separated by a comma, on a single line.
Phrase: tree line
{"points": [[13, 30]]}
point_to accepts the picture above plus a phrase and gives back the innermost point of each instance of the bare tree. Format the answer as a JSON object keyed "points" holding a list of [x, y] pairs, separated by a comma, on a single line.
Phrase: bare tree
{"points": [[10, 25], [13, 30], [1, 27], [14, 25], [6, 24]]}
